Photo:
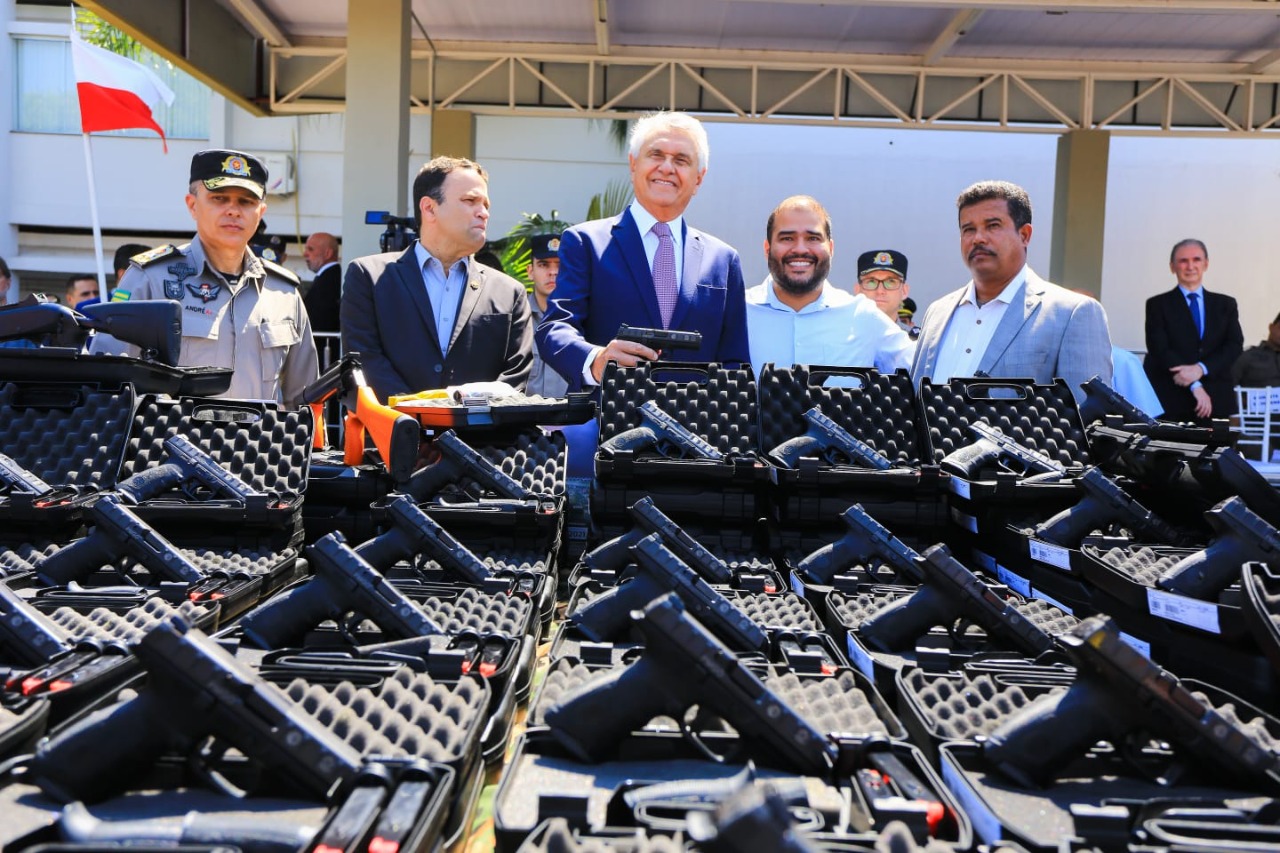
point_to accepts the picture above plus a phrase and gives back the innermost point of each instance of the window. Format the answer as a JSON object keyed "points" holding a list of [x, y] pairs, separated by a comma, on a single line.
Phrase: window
{"points": [[46, 93]]}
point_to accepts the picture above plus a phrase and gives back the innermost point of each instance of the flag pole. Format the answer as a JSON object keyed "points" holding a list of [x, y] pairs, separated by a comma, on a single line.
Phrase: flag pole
{"points": [[93, 213]]}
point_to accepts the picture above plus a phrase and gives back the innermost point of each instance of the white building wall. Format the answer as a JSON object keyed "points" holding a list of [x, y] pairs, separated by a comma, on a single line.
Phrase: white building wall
{"points": [[884, 189]]}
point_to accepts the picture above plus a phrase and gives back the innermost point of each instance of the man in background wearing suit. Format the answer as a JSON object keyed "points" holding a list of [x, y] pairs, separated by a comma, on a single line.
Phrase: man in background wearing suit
{"points": [[320, 253], [432, 317], [1007, 321], [647, 267], [1193, 339]]}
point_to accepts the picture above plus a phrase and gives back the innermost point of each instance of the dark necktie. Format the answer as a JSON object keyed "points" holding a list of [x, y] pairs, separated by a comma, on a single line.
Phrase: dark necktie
{"points": [[664, 272], [1193, 301]]}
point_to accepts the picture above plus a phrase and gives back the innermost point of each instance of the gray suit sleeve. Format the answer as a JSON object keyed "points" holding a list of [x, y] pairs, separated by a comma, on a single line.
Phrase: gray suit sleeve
{"points": [[1086, 347]]}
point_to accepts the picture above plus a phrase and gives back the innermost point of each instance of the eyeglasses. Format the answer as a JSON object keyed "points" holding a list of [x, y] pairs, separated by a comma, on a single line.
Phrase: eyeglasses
{"points": [[887, 284]]}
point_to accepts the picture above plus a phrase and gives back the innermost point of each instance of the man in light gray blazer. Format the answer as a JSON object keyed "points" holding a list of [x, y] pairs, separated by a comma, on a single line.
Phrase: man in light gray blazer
{"points": [[1007, 321]]}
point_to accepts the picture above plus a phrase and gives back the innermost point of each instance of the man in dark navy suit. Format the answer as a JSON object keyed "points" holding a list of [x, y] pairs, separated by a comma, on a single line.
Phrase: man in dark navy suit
{"points": [[647, 267], [432, 316], [1193, 339]]}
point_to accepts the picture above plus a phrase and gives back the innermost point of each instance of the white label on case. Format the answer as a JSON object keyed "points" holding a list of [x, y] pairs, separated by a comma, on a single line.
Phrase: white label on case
{"points": [[1050, 555], [1141, 646], [1014, 581], [859, 657], [960, 487], [797, 585], [1187, 611], [984, 820]]}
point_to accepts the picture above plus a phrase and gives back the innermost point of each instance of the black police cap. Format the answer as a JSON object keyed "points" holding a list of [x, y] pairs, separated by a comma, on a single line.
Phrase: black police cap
{"points": [[219, 168], [882, 259], [544, 246]]}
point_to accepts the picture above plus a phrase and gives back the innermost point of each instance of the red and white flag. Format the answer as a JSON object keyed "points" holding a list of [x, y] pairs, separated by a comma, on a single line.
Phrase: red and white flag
{"points": [[115, 92]]}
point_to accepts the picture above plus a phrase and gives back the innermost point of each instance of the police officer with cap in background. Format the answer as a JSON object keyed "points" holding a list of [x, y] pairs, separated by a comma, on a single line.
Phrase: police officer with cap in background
{"points": [[542, 271], [882, 278], [238, 310]]}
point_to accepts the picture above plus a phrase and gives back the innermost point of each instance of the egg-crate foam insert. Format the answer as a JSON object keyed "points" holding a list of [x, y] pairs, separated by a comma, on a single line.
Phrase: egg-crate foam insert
{"points": [[407, 716], [831, 704], [784, 610], [253, 561], [741, 551], [556, 836], [67, 435], [880, 412], [1143, 564], [714, 402], [1043, 417], [482, 612], [961, 705], [266, 446], [851, 609], [536, 460], [106, 626]]}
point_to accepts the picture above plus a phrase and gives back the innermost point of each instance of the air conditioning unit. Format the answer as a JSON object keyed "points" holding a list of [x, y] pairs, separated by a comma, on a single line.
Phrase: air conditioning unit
{"points": [[281, 178]]}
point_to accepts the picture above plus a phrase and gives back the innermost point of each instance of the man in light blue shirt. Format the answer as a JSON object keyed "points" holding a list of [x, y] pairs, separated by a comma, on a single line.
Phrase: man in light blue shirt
{"points": [[796, 316]]}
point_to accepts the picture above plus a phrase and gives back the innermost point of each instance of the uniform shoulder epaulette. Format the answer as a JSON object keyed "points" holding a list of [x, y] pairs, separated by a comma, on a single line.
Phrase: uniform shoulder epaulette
{"points": [[159, 253], [283, 272]]}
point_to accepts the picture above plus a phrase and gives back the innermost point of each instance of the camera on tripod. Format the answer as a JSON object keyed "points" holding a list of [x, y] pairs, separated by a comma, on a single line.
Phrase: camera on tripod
{"points": [[400, 233]]}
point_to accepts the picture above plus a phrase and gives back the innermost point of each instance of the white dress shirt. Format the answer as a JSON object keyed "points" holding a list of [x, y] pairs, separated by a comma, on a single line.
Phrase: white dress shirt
{"points": [[836, 329], [971, 328]]}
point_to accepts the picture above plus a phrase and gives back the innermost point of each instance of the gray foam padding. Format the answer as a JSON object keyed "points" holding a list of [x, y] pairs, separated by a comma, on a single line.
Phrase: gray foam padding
{"points": [[1046, 420], [481, 612], [536, 460], [852, 609], [1046, 617], [267, 447], [957, 706], [67, 435], [712, 401], [882, 412], [407, 716], [1142, 564], [106, 626]]}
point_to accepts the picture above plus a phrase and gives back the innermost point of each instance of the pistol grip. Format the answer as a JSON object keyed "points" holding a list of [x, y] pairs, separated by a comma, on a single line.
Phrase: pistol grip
{"points": [[592, 720]]}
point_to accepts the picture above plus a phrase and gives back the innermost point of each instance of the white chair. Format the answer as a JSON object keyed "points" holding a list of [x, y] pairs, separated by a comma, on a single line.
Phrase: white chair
{"points": [[1259, 418]]}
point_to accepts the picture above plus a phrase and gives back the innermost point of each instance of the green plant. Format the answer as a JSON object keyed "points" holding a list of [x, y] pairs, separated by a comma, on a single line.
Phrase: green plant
{"points": [[611, 202], [516, 254], [98, 32]]}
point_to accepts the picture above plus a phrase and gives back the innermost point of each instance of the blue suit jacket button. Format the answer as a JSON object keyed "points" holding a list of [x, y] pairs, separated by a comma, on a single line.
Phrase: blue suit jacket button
{"points": [[438, 368]]}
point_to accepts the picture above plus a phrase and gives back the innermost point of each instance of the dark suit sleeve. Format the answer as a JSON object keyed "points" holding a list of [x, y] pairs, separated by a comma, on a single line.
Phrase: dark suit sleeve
{"points": [[733, 335], [1220, 361], [1159, 351], [360, 333], [560, 337], [519, 353]]}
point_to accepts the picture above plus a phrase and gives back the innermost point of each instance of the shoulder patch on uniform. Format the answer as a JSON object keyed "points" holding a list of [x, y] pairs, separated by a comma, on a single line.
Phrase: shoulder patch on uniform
{"points": [[159, 253], [283, 272], [120, 295]]}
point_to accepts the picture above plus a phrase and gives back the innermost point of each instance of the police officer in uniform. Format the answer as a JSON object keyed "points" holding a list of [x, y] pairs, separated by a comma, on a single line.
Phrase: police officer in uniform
{"points": [[238, 310], [542, 271]]}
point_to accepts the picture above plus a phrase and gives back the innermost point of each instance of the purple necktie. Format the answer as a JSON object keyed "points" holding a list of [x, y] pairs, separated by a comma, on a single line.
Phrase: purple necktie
{"points": [[664, 272]]}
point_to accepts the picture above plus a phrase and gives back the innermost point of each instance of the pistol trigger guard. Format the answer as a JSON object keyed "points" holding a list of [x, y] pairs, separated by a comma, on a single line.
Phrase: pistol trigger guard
{"points": [[349, 625], [958, 631], [691, 729], [200, 760]]}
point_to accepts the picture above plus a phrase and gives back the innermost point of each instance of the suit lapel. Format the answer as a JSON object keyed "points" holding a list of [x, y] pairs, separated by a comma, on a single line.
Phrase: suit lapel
{"points": [[416, 289], [931, 342], [1181, 311], [626, 235], [1015, 317], [470, 297], [693, 250]]}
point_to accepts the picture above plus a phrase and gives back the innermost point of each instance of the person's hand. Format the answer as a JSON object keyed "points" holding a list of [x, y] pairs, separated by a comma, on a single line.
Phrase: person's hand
{"points": [[1204, 406], [626, 353], [1186, 374]]}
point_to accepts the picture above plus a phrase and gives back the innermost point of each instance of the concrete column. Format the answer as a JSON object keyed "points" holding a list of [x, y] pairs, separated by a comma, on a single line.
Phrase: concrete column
{"points": [[453, 134], [8, 231], [376, 144], [1079, 210]]}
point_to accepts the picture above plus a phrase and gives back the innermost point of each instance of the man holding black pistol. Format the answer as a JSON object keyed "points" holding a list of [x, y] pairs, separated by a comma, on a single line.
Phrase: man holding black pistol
{"points": [[647, 267]]}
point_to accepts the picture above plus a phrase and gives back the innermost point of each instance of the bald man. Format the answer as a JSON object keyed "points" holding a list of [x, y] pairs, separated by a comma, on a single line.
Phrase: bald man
{"points": [[321, 255]]}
